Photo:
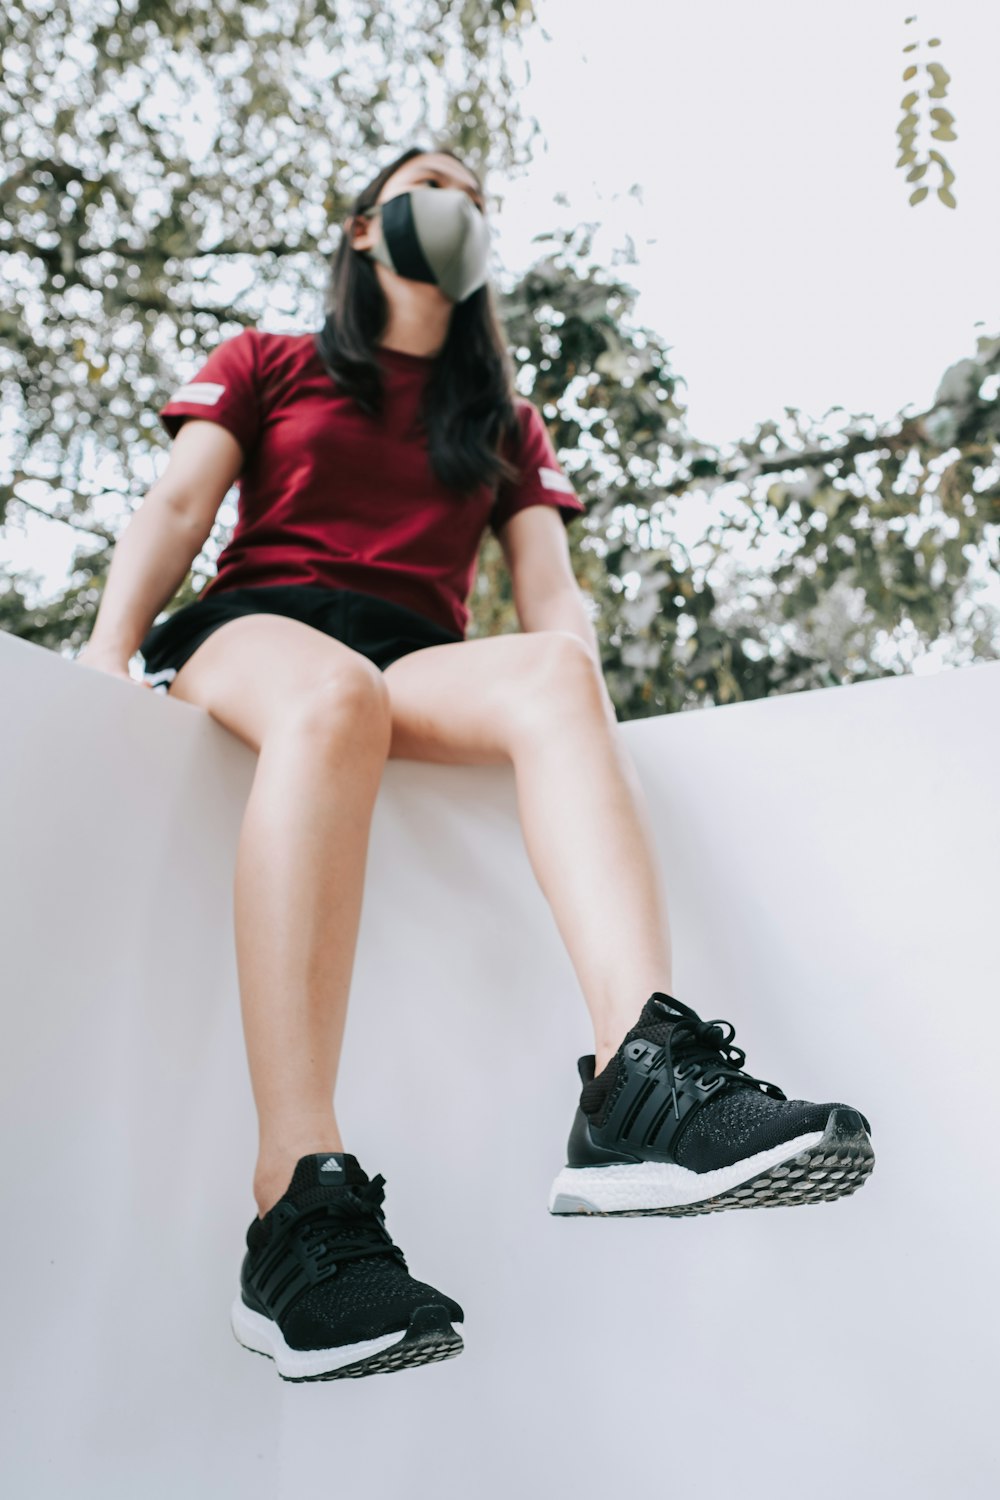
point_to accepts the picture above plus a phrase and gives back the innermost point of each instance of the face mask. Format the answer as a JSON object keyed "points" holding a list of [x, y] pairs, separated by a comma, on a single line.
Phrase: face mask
{"points": [[436, 235]]}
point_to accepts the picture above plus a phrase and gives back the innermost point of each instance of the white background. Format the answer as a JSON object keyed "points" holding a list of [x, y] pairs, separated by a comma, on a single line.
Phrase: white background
{"points": [[830, 861]]}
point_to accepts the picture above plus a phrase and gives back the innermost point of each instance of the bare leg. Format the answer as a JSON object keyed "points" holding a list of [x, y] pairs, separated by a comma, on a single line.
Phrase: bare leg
{"points": [[585, 823], [537, 699], [298, 892], [319, 718]]}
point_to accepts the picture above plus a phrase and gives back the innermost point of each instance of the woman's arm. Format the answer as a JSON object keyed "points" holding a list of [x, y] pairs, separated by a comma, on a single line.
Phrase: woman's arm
{"points": [[154, 553], [546, 593]]}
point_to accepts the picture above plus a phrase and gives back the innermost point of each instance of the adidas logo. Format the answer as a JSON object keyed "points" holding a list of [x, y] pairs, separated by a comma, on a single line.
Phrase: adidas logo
{"points": [[331, 1165]]}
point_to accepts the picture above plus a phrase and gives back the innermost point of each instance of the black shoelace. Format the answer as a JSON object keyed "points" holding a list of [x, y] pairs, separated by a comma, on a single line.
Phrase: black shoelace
{"points": [[705, 1047], [351, 1227]]}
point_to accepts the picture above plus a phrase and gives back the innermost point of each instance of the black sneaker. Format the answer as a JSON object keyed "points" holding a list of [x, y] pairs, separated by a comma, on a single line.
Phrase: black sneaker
{"points": [[673, 1126], [324, 1292]]}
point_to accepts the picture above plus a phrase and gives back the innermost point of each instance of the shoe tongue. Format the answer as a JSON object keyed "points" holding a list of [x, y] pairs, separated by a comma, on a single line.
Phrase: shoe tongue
{"points": [[660, 1012], [325, 1169], [319, 1178]]}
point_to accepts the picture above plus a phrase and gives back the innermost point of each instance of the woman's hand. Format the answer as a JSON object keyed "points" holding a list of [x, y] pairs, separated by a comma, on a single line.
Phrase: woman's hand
{"points": [[111, 662]]}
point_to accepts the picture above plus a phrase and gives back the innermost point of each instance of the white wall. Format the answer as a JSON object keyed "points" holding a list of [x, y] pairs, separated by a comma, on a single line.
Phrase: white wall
{"points": [[831, 864]]}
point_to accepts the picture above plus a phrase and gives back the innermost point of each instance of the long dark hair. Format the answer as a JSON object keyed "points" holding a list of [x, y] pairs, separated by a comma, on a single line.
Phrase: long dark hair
{"points": [[469, 401]]}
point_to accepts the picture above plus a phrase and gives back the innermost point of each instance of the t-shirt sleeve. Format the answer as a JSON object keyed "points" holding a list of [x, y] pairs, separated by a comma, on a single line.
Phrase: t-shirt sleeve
{"points": [[542, 480], [224, 389]]}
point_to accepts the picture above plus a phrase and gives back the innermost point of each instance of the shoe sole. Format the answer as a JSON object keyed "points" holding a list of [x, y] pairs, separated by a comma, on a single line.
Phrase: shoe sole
{"points": [[812, 1168], [429, 1336]]}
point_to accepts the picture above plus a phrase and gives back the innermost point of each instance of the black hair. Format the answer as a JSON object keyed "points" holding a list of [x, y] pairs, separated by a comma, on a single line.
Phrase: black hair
{"points": [[469, 402]]}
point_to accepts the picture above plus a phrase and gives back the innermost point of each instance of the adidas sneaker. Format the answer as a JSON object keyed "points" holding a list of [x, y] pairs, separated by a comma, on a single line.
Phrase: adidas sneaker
{"points": [[325, 1292], [673, 1125]]}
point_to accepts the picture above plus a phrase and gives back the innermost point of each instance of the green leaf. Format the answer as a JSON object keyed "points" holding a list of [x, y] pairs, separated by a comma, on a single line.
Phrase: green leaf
{"points": [[941, 81]]}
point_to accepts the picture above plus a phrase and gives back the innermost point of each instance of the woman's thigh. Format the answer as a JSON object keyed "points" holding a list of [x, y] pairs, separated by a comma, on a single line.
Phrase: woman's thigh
{"points": [[465, 704], [254, 669]]}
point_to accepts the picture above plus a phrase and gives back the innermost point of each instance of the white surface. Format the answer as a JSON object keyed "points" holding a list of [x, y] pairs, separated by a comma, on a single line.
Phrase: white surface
{"points": [[830, 860]]}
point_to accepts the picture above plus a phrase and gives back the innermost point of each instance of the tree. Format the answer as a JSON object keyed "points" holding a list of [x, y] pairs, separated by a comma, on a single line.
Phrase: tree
{"points": [[145, 146], [834, 551], [831, 558]]}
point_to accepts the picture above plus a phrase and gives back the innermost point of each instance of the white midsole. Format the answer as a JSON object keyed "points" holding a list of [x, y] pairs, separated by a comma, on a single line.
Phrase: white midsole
{"points": [[263, 1335], [659, 1184]]}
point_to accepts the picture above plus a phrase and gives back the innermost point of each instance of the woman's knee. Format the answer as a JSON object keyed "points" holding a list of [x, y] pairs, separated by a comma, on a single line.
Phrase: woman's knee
{"points": [[562, 675], [345, 700], [256, 673]]}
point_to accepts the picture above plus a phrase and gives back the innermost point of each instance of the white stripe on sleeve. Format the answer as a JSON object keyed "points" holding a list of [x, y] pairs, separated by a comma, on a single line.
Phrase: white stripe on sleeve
{"points": [[553, 480], [199, 392]]}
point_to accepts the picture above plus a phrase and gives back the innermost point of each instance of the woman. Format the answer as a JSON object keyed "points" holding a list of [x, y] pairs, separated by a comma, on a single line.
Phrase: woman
{"points": [[372, 457]]}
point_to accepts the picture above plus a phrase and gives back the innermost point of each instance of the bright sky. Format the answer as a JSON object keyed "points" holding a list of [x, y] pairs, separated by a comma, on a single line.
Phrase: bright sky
{"points": [[778, 254]]}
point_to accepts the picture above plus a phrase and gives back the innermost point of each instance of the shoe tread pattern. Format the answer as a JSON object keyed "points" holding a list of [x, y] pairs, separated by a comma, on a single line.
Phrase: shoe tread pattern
{"points": [[836, 1166], [428, 1338]]}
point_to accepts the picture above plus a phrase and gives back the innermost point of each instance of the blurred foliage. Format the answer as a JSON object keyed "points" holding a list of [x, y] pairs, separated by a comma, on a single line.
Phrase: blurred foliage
{"points": [[936, 78], [145, 146], [832, 552]]}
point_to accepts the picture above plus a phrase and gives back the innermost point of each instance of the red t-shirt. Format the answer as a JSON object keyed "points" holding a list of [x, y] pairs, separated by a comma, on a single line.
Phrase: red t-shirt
{"points": [[329, 495]]}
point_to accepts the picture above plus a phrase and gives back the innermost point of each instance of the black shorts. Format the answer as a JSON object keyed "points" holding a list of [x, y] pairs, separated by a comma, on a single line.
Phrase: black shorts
{"points": [[378, 630]]}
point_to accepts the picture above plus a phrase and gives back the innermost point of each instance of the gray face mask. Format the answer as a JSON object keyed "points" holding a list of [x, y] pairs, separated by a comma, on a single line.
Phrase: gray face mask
{"points": [[436, 235]]}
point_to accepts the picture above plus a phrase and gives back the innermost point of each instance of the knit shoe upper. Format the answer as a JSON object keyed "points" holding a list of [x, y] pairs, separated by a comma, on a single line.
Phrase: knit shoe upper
{"points": [[675, 1091], [322, 1264]]}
